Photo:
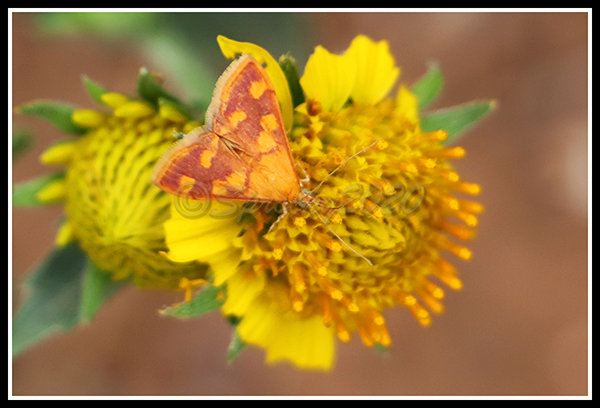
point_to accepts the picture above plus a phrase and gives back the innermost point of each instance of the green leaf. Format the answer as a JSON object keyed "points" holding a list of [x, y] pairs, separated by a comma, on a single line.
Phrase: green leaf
{"points": [[173, 54], [25, 194], [149, 89], [236, 346], [95, 90], [457, 119], [381, 350], [98, 286], [207, 301], [290, 70], [66, 289], [54, 299], [58, 114], [429, 85], [21, 141], [107, 23]]}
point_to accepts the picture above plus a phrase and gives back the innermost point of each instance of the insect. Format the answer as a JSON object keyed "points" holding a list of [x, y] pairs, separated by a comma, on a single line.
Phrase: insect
{"points": [[242, 152]]}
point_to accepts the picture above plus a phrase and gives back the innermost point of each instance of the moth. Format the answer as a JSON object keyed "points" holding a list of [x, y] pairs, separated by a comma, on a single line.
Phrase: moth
{"points": [[242, 152]]}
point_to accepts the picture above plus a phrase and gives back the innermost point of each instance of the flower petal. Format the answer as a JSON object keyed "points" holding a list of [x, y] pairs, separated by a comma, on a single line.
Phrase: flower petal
{"points": [[307, 343], [199, 238], [376, 71], [230, 48], [328, 78], [242, 289], [407, 105]]}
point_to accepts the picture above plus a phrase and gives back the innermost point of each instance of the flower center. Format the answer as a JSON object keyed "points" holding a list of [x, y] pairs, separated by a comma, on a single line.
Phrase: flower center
{"points": [[388, 204], [116, 212]]}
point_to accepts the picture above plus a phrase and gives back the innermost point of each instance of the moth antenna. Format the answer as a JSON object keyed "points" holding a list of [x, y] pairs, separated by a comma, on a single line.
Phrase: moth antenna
{"points": [[338, 237], [342, 165]]}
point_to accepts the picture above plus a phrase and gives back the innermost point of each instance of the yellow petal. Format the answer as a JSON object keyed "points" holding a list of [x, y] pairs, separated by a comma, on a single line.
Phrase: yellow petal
{"points": [[230, 48], [306, 342], [407, 105], [328, 78], [242, 289], [88, 118], [114, 99], [225, 264], [60, 153], [134, 110], [199, 238], [172, 114], [376, 71], [53, 192], [191, 125], [64, 235]]}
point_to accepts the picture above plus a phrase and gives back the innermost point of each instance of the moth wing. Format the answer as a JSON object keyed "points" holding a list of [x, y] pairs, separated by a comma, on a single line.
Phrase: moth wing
{"points": [[242, 152], [245, 111]]}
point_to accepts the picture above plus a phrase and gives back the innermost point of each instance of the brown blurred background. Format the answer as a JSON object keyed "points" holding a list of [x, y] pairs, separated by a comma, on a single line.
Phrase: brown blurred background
{"points": [[519, 326]]}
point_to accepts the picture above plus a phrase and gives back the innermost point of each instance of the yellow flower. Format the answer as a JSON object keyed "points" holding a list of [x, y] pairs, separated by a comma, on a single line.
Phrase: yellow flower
{"points": [[111, 206], [380, 237]]}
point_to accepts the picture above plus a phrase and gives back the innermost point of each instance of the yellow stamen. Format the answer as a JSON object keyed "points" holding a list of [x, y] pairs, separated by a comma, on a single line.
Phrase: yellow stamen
{"points": [[277, 253], [377, 318], [299, 283], [431, 288], [431, 302], [188, 286], [405, 166], [297, 302], [421, 314], [381, 145], [386, 340], [341, 331], [449, 153], [299, 222], [467, 218], [328, 287], [471, 206], [447, 274], [351, 306], [458, 231], [446, 174], [365, 336], [458, 250], [403, 298], [386, 187], [374, 209], [435, 136], [336, 219], [449, 202], [326, 310], [467, 188], [316, 265], [426, 163]]}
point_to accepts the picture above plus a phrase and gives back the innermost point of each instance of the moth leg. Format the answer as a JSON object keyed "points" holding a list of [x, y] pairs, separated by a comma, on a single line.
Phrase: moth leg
{"points": [[306, 178], [278, 220]]}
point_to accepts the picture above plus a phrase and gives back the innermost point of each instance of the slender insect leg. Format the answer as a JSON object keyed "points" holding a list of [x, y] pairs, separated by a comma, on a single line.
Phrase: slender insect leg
{"points": [[285, 212], [306, 178]]}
